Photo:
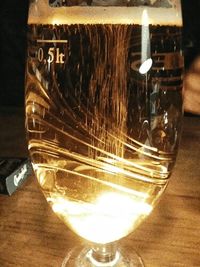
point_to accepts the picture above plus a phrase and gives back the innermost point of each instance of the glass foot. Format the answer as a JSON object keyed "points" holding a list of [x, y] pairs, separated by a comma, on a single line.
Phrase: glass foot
{"points": [[85, 257]]}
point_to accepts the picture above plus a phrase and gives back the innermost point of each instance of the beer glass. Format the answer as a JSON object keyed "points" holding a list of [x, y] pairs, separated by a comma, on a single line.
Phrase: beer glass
{"points": [[103, 115]]}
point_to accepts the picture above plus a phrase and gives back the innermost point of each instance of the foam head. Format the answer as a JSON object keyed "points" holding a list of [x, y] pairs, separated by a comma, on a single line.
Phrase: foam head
{"points": [[42, 13]]}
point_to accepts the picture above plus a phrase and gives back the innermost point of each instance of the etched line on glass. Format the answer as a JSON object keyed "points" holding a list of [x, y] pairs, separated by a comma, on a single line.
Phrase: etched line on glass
{"points": [[52, 41]]}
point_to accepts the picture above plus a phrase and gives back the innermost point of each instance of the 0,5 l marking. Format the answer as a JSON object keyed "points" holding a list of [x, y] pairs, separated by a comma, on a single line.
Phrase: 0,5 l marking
{"points": [[53, 54]]}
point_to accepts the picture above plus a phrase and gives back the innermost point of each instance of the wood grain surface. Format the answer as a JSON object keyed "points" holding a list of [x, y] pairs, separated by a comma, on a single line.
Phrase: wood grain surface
{"points": [[32, 236]]}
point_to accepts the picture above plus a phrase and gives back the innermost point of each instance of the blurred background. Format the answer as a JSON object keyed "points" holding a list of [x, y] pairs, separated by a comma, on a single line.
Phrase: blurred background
{"points": [[13, 18]]}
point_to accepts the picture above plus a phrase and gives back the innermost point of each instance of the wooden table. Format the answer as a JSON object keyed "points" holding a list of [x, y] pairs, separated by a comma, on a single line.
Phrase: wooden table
{"points": [[32, 236]]}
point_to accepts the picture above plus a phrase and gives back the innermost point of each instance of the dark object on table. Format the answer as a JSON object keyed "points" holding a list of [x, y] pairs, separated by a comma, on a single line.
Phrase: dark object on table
{"points": [[13, 172]]}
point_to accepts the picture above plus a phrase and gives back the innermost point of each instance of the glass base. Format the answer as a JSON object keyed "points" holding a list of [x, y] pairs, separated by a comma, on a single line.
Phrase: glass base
{"points": [[83, 257]]}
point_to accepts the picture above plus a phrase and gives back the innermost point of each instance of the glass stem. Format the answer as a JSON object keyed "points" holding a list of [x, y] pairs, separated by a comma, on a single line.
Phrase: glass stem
{"points": [[104, 253]]}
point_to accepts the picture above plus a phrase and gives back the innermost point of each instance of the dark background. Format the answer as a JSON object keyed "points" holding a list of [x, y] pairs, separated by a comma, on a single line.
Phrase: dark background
{"points": [[13, 19]]}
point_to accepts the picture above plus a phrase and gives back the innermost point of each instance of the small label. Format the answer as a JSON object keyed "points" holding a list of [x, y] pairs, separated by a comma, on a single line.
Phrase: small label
{"points": [[20, 176]]}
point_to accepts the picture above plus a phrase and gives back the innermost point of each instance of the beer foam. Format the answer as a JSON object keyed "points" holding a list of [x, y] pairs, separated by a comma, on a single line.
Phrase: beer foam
{"points": [[104, 15]]}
